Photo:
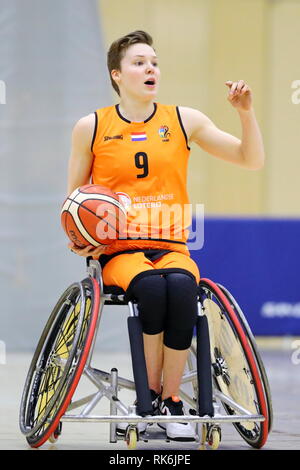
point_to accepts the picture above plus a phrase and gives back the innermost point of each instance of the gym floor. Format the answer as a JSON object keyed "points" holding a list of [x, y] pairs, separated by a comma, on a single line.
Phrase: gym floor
{"points": [[282, 370]]}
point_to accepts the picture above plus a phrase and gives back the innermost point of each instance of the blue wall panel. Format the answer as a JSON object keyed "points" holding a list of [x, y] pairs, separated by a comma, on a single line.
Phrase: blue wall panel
{"points": [[258, 260]]}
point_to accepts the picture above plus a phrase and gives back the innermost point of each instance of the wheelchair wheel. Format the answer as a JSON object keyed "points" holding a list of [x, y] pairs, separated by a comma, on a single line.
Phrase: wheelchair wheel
{"points": [[259, 361], [59, 361], [237, 367]]}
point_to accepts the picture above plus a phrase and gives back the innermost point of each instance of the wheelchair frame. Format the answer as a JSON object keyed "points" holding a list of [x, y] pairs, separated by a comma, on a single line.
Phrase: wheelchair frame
{"points": [[108, 385]]}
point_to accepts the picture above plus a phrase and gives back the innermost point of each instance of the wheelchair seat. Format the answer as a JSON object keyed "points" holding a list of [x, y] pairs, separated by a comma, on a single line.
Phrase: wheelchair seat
{"points": [[114, 295], [115, 290]]}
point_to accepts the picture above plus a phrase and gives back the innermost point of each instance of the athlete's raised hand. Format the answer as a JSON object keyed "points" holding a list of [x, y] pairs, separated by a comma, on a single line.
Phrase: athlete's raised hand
{"points": [[239, 95]]}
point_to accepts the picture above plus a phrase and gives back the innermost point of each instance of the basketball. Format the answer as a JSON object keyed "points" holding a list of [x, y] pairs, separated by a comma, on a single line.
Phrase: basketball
{"points": [[93, 215]]}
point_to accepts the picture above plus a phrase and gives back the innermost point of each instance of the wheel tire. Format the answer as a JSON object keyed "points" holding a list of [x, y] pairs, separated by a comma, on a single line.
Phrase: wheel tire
{"points": [[257, 387], [59, 361], [258, 358]]}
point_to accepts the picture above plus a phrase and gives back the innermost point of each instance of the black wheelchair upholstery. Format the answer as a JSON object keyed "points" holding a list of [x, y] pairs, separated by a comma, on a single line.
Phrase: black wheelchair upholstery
{"points": [[117, 295]]}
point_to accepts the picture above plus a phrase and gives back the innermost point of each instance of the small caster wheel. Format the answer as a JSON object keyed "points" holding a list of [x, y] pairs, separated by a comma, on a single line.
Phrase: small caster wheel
{"points": [[214, 437], [131, 438], [203, 437], [55, 435]]}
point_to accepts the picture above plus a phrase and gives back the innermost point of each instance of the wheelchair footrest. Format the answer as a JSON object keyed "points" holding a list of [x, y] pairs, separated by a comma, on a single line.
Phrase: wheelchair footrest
{"points": [[156, 419]]}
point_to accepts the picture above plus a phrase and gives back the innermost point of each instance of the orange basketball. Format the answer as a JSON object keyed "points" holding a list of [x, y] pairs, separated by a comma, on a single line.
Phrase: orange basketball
{"points": [[93, 215]]}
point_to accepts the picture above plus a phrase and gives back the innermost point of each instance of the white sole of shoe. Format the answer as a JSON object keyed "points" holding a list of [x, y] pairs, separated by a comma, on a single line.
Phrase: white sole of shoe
{"points": [[175, 437]]}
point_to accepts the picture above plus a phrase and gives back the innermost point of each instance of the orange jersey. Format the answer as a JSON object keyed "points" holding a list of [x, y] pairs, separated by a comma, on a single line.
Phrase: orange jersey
{"points": [[146, 164]]}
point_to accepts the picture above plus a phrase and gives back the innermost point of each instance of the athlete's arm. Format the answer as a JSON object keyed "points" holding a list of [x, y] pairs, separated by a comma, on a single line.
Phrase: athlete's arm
{"points": [[80, 169], [247, 152], [81, 158]]}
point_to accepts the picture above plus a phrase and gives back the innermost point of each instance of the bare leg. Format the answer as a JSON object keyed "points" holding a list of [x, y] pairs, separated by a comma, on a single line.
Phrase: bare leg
{"points": [[173, 368], [161, 359], [153, 347]]}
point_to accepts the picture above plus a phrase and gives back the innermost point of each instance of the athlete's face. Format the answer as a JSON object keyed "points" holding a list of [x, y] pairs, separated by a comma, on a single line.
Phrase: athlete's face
{"points": [[139, 74]]}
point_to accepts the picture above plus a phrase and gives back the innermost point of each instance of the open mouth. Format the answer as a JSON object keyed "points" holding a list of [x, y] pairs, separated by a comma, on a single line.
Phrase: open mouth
{"points": [[150, 82]]}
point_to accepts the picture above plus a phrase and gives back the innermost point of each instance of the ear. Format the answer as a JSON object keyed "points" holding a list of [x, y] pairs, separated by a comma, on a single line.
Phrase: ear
{"points": [[115, 74]]}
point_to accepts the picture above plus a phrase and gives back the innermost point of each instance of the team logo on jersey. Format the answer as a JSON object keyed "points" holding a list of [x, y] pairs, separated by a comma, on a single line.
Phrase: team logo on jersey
{"points": [[164, 133], [138, 136], [125, 199]]}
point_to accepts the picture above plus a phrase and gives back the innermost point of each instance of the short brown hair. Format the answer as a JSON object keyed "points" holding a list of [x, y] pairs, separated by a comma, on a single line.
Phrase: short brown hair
{"points": [[118, 49]]}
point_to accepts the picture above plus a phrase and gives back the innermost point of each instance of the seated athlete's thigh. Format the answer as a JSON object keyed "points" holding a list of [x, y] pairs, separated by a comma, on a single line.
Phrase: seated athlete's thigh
{"points": [[178, 260], [121, 269], [182, 311]]}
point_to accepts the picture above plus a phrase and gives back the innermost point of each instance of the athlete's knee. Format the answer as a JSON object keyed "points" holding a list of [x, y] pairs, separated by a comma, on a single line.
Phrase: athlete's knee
{"points": [[150, 293], [182, 300], [182, 312], [178, 339]]}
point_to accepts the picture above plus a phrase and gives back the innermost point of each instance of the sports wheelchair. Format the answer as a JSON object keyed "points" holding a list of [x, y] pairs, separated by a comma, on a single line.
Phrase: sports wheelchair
{"points": [[224, 369]]}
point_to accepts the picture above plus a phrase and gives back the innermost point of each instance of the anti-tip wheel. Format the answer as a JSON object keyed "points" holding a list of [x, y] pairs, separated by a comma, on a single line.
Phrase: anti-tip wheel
{"points": [[55, 435]]}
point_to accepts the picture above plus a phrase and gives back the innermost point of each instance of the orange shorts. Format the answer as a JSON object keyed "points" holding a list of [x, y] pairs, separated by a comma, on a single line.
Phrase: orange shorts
{"points": [[121, 269]]}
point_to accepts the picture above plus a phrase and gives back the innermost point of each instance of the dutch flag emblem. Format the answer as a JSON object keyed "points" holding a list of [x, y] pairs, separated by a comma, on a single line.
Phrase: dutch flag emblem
{"points": [[138, 136]]}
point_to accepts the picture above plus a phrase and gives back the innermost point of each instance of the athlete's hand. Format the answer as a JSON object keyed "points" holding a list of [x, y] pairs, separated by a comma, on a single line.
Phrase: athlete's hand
{"points": [[89, 250], [239, 95]]}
